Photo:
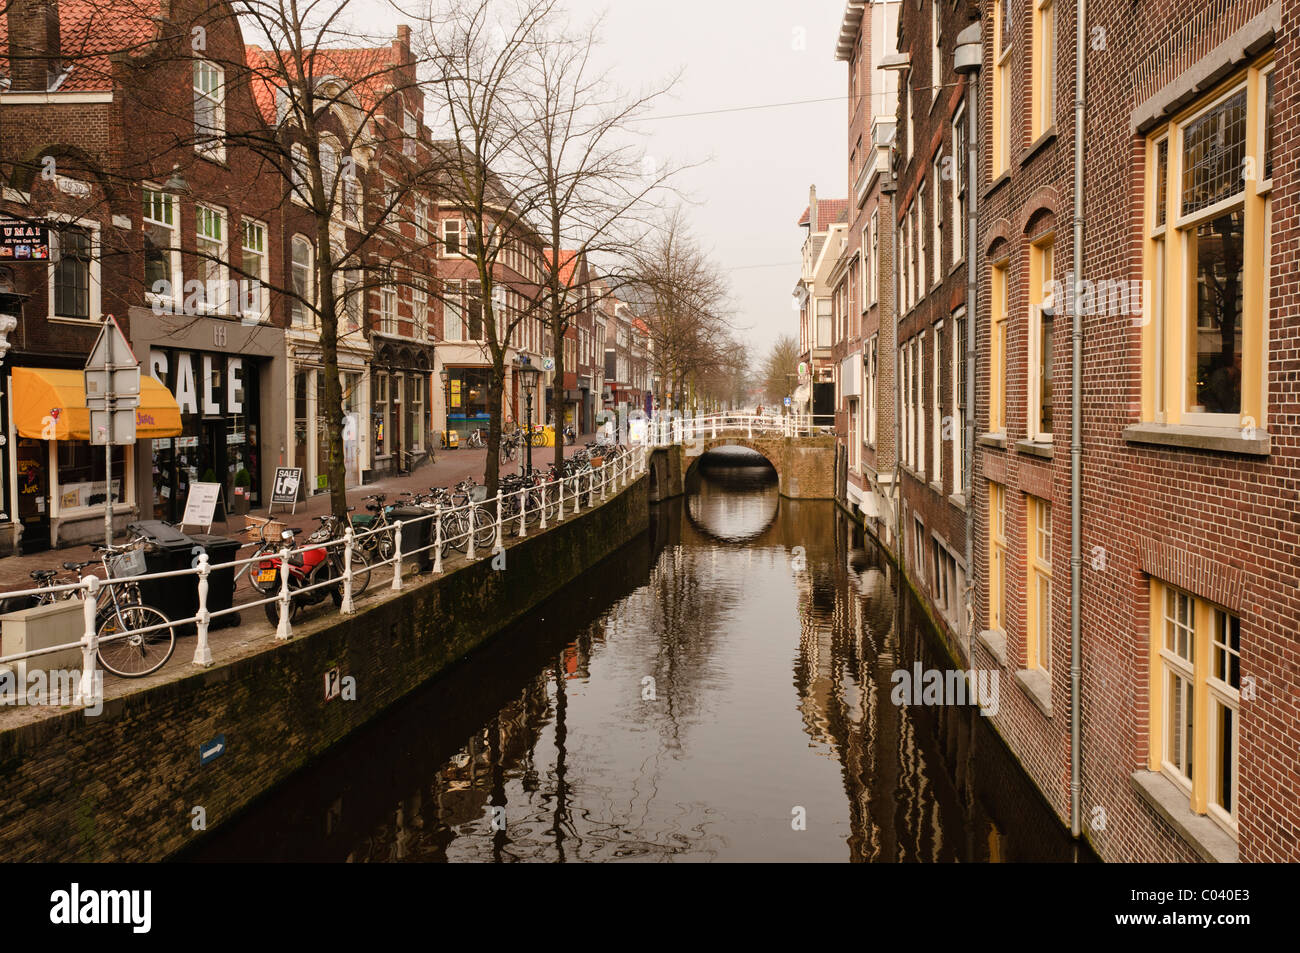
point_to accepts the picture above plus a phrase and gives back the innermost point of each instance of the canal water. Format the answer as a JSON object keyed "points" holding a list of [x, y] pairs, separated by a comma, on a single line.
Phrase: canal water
{"points": [[719, 689]]}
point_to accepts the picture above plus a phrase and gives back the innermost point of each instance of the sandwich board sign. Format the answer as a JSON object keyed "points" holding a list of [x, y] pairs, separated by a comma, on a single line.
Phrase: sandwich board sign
{"points": [[285, 489], [201, 505]]}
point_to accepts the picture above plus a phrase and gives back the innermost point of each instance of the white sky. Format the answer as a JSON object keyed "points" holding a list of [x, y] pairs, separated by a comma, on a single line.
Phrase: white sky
{"points": [[738, 53]]}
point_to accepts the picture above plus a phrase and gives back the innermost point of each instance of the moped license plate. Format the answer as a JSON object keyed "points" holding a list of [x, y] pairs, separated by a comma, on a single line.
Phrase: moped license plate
{"points": [[266, 575]]}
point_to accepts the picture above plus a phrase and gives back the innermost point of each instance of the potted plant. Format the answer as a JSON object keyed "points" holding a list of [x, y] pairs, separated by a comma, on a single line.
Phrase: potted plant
{"points": [[243, 496]]}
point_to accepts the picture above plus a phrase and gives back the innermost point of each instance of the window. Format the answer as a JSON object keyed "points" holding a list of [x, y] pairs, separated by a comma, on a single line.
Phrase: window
{"points": [[824, 322], [1195, 697], [420, 307], [72, 274], [918, 548], [922, 276], [329, 173], [1001, 137], [388, 305], [875, 255], [959, 402], [210, 244], [411, 134], [1041, 322], [959, 212], [936, 416], [300, 174], [918, 401], [474, 311], [997, 554], [350, 196], [353, 296], [937, 243], [451, 237], [1043, 86], [1207, 255], [209, 110], [1038, 557], [162, 264], [453, 313], [939, 576], [304, 293], [422, 220], [253, 302], [871, 389], [471, 240], [998, 346], [855, 440]]}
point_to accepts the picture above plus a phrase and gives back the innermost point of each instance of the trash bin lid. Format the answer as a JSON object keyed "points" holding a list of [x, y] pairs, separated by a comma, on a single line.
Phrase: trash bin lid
{"points": [[210, 541], [157, 531]]}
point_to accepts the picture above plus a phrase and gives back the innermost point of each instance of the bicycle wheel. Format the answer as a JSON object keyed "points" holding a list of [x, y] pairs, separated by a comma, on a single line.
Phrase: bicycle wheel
{"points": [[485, 528], [455, 531], [134, 655], [360, 572]]}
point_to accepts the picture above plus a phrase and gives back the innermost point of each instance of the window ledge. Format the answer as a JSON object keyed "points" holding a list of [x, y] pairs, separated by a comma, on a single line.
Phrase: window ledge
{"points": [[1038, 145], [1221, 439], [1208, 839], [1034, 448], [995, 641], [936, 486], [998, 440], [996, 184], [958, 500], [1036, 683]]}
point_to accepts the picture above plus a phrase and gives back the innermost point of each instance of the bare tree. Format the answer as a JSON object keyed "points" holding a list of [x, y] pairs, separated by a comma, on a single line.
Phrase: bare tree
{"points": [[779, 366]]}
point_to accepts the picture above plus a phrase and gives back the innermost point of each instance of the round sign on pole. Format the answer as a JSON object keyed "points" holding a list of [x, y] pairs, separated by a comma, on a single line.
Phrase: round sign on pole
{"points": [[803, 368]]}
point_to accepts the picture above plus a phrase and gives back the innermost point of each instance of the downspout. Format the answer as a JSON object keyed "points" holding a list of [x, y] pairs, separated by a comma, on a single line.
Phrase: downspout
{"points": [[898, 367], [966, 60], [1076, 433]]}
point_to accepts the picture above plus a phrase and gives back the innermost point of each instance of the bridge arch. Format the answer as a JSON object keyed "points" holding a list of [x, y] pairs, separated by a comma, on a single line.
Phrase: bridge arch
{"points": [[768, 449]]}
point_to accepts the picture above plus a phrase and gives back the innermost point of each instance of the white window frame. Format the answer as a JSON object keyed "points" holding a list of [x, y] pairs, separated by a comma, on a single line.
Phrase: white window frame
{"points": [[94, 288], [176, 294], [449, 226], [209, 140], [960, 148], [936, 407], [958, 411], [263, 312], [221, 303], [308, 313]]}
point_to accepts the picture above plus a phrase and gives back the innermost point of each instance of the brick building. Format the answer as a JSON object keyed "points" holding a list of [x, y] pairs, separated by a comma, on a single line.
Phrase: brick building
{"points": [[863, 318], [824, 222]]}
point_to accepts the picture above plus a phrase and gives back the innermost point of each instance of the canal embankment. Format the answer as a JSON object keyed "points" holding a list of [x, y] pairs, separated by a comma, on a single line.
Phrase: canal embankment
{"points": [[160, 765]]}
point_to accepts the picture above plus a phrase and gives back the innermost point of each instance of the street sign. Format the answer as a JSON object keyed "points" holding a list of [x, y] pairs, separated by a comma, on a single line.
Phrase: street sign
{"points": [[787, 401], [123, 426], [803, 369], [201, 504], [112, 368], [212, 750], [548, 364]]}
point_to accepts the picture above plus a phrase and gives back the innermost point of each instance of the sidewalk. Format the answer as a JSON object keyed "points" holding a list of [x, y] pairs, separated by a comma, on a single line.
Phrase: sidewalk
{"points": [[449, 467]]}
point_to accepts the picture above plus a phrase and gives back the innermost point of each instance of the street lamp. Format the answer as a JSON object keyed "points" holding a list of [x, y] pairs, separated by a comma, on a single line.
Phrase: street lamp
{"points": [[528, 375], [446, 406]]}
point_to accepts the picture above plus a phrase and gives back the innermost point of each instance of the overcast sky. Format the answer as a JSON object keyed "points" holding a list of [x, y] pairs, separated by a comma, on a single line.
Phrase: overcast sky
{"points": [[760, 162]]}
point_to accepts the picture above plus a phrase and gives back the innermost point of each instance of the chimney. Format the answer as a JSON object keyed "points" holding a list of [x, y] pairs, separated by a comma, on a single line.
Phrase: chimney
{"points": [[402, 45], [812, 210], [34, 46]]}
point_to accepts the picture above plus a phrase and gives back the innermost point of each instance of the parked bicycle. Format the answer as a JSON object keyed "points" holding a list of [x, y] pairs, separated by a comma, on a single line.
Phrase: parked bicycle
{"points": [[122, 614]]}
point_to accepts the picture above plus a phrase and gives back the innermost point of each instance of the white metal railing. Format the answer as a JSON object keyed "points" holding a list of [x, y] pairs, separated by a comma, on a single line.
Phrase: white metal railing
{"points": [[549, 502], [667, 429]]}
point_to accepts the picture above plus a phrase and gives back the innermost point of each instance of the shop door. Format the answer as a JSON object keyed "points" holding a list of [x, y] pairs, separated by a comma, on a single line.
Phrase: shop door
{"points": [[395, 423], [212, 459], [34, 494]]}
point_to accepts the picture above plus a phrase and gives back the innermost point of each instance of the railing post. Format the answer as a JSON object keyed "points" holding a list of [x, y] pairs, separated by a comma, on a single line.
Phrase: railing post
{"points": [[397, 556], [437, 538], [560, 512], [346, 607], [89, 640], [283, 630], [523, 511], [542, 493], [203, 651], [500, 543], [471, 510], [577, 493], [749, 425], [604, 479], [715, 426]]}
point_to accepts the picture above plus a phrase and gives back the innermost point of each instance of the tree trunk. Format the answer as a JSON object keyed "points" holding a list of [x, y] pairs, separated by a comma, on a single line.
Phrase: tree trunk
{"points": [[559, 399]]}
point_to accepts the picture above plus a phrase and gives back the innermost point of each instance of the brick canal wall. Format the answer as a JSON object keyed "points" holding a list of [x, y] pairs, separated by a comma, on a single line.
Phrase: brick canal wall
{"points": [[125, 785]]}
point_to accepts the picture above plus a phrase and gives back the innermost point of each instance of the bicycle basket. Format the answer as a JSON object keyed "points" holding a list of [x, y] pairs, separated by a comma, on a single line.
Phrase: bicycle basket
{"points": [[127, 564], [477, 494]]}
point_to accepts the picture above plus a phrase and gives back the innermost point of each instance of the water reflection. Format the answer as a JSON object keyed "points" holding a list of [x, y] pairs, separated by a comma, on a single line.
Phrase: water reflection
{"points": [[686, 700]]}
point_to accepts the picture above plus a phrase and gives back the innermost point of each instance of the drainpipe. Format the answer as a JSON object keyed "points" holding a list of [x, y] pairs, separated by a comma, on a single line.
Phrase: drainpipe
{"points": [[966, 61], [1076, 432], [898, 367]]}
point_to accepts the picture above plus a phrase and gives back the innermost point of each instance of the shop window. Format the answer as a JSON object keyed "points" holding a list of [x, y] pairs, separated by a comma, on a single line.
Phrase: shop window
{"points": [[380, 410], [81, 474]]}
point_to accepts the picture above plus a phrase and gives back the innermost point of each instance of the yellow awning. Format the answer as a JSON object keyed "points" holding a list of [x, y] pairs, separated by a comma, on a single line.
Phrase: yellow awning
{"points": [[50, 404]]}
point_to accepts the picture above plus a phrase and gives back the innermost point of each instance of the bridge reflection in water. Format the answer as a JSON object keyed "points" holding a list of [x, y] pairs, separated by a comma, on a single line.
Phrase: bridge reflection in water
{"points": [[688, 699]]}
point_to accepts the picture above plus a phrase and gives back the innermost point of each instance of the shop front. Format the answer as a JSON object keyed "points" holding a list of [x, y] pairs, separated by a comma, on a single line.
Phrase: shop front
{"points": [[224, 377], [467, 399], [219, 398], [61, 481], [401, 377]]}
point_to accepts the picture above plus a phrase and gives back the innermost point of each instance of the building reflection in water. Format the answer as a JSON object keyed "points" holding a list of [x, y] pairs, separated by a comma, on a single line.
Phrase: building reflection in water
{"points": [[663, 708]]}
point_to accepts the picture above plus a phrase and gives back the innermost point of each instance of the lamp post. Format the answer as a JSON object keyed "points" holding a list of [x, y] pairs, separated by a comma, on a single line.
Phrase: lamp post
{"points": [[528, 375], [446, 406]]}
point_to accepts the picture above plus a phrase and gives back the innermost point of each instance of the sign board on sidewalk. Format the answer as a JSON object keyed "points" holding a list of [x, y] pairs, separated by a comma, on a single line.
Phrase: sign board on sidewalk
{"points": [[201, 504], [285, 489]]}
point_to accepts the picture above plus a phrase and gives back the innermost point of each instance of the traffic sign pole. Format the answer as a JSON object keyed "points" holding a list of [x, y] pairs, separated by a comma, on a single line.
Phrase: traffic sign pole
{"points": [[108, 442]]}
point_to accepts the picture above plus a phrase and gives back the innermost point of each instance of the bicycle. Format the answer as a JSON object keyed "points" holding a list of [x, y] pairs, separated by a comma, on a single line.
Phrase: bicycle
{"points": [[121, 614]]}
